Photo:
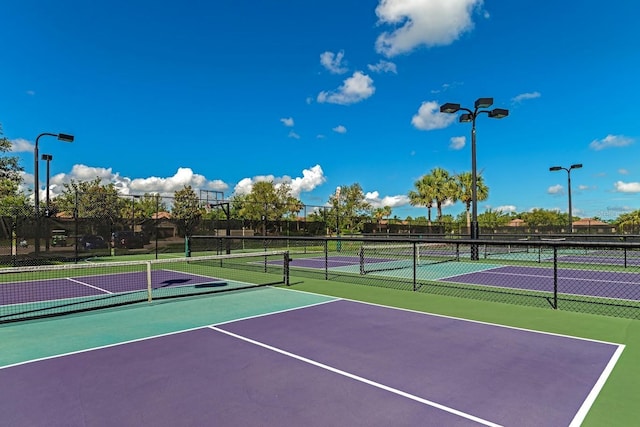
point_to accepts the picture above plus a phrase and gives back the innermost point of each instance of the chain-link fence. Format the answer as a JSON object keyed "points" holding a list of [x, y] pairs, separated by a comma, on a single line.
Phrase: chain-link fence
{"points": [[592, 277]]}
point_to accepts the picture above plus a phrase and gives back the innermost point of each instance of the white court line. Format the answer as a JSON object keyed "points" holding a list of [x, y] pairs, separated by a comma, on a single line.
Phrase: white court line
{"points": [[71, 279], [597, 387], [360, 379]]}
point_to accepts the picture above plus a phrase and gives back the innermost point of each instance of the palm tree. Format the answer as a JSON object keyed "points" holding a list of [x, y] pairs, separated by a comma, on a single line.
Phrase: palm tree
{"points": [[464, 184], [379, 215], [445, 188], [424, 194]]}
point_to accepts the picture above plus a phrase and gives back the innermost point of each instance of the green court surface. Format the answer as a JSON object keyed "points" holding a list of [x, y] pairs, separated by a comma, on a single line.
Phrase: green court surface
{"points": [[616, 405]]}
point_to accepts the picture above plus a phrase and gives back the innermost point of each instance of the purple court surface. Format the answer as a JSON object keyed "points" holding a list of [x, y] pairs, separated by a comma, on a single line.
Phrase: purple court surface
{"points": [[337, 363], [106, 284], [617, 285]]}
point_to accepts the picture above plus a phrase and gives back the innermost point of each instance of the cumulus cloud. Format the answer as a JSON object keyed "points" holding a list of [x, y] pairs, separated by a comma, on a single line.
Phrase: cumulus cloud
{"points": [[555, 189], [610, 141], [340, 129], [333, 62], [422, 23], [354, 89], [380, 202], [310, 179], [627, 187], [429, 117], [457, 142], [383, 67], [20, 145], [287, 121], [525, 96]]}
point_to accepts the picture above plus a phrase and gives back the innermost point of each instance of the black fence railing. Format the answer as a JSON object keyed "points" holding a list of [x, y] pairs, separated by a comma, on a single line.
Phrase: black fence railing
{"points": [[584, 276]]}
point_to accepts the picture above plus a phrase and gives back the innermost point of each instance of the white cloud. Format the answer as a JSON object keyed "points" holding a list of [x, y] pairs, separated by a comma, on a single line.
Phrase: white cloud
{"points": [[627, 187], [422, 23], [333, 62], [610, 141], [287, 121], [383, 67], [623, 171], [311, 178], [429, 117], [555, 189], [525, 96], [392, 201], [294, 135], [340, 129], [457, 142], [356, 88], [20, 145]]}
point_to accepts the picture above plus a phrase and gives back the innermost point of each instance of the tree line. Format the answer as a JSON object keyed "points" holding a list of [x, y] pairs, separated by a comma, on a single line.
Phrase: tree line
{"points": [[345, 211]]}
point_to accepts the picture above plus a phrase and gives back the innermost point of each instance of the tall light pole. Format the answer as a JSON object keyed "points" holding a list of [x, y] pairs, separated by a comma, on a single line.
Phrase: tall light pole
{"points": [[470, 116], [47, 158], [36, 181], [559, 168]]}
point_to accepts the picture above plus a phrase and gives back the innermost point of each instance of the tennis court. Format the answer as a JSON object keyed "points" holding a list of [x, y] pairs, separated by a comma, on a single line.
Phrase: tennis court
{"points": [[276, 356]]}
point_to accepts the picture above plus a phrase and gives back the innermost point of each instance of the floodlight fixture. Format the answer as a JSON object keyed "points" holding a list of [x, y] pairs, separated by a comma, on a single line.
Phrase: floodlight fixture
{"points": [[450, 108], [466, 118], [483, 103], [498, 113]]}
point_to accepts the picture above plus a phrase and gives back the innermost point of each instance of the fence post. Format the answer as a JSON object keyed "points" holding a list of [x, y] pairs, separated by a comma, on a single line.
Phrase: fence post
{"points": [[555, 277]]}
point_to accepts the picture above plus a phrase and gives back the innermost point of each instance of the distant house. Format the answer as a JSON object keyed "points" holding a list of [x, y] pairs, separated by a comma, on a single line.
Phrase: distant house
{"points": [[517, 222], [590, 225]]}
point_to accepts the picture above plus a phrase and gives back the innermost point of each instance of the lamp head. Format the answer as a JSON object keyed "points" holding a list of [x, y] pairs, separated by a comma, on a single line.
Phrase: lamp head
{"points": [[484, 102], [576, 166], [65, 137], [449, 108], [555, 168], [466, 118], [498, 113]]}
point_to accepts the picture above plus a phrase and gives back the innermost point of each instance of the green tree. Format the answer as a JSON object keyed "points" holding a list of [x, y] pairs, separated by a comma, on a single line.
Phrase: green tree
{"points": [[544, 218], [12, 201], [90, 199], [186, 210], [492, 219], [424, 194], [380, 213], [350, 209], [464, 186], [445, 188]]}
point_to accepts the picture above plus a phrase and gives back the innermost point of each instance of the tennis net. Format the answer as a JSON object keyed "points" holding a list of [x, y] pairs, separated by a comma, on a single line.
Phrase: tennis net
{"points": [[394, 256], [42, 291]]}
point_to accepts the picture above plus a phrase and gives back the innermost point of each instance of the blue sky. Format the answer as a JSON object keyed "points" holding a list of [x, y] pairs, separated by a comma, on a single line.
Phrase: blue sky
{"points": [[321, 94]]}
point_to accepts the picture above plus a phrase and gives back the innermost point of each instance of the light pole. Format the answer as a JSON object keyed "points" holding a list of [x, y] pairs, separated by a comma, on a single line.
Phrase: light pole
{"points": [[470, 116], [36, 181], [558, 168], [47, 158]]}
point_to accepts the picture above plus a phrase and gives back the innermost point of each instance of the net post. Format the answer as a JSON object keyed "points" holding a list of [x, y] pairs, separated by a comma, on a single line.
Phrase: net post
{"points": [[149, 287]]}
